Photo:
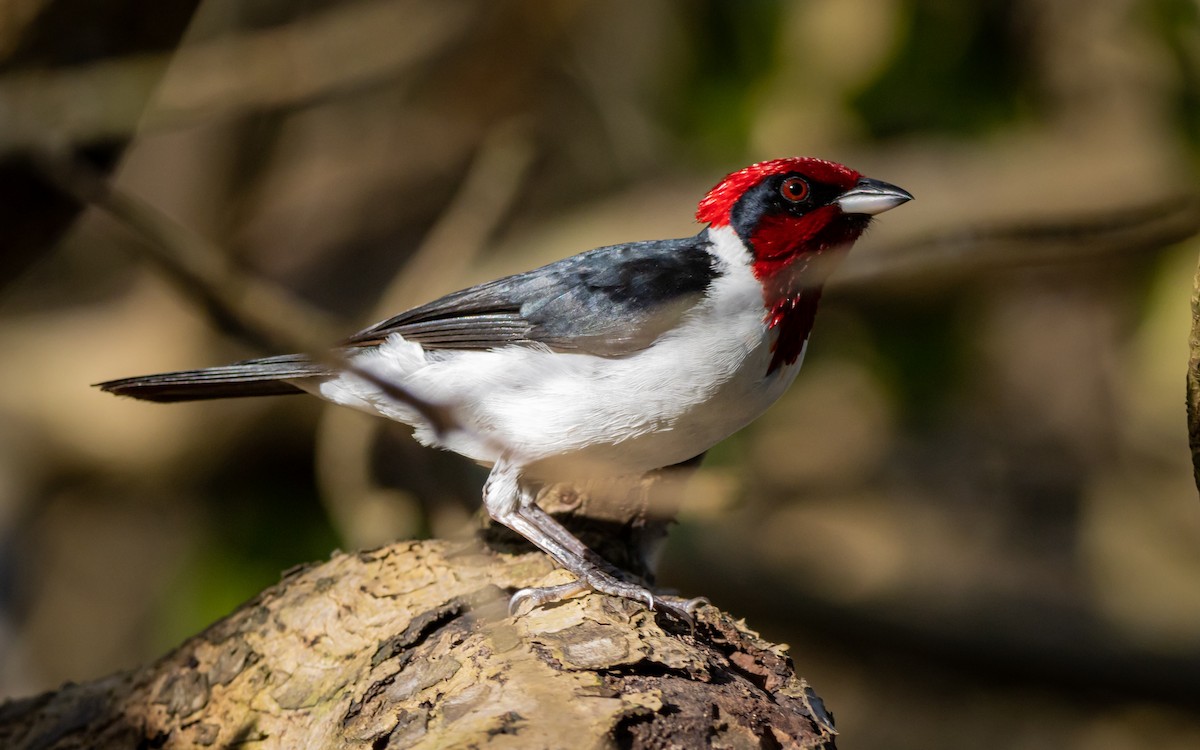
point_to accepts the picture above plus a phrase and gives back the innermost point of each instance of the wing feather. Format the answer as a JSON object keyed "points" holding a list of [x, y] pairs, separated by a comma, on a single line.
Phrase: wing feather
{"points": [[610, 301]]}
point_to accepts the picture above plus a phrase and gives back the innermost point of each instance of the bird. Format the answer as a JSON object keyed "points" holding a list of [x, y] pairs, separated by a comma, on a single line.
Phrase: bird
{"points": [[617, 361]]}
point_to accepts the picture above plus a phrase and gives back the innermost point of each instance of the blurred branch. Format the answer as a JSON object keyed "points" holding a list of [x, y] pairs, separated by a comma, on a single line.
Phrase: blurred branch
{"points": [[1014, 635], [248, 308], [349, 45], [42, 35], [947, 257], [492, 183], [259, 311]]}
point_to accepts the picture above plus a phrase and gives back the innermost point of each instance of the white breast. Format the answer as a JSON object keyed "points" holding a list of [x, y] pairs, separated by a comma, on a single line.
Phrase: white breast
{"points": [[563, 413]]}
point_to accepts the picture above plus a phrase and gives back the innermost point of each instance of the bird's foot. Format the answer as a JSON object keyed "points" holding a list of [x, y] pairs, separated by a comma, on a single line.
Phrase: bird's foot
{"points": [[679, 608], [514, 507]]}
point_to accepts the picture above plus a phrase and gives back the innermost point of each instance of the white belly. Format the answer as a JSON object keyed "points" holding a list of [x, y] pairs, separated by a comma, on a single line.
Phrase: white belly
{"points": [[564, 413], [573, 413]]}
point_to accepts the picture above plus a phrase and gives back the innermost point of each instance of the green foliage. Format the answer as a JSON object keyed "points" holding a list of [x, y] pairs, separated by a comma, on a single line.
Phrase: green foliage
{"points": [[263, 516], [1177, 25], [959, 68], [920, 346], [729, 49]]}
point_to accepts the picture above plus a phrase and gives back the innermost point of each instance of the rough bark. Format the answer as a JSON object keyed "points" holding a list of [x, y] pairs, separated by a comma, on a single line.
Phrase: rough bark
{"points": [[1193, 380], [411, 646]]}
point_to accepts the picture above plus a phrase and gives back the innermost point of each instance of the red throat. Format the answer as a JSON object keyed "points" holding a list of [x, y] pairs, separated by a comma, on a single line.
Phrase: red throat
{"points": [[793, 254], [793, 257], [779, 241], [792, 317]]}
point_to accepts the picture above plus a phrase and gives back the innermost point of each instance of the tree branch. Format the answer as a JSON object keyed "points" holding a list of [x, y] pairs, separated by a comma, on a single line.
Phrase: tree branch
{"points": [[410, 645]]}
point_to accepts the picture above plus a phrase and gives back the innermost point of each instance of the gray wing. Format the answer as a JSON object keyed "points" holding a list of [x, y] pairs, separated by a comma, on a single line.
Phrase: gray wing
{"points": [[609, 301]]}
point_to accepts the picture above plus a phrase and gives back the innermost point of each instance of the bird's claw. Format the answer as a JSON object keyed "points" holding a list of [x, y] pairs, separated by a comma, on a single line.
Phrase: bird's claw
{"points": [[541, 595], [681, 609]]}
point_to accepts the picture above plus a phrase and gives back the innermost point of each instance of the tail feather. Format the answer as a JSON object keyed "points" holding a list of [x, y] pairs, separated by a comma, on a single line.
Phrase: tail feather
{"points": [[255, 377]]}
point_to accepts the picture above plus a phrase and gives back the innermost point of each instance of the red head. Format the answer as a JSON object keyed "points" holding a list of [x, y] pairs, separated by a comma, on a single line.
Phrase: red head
{"points": [[795, 209], [789, 212]]}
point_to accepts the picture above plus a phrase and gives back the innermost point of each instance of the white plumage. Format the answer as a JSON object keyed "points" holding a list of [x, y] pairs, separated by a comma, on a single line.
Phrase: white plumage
{"points": [[563, 414]]}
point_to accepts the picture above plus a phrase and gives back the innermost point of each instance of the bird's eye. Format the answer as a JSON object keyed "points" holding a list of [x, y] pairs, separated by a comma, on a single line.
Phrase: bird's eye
{"points": [[794, 189]]}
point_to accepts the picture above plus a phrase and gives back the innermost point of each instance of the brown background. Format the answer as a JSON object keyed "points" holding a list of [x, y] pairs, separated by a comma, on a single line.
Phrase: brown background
{"points": [[972, 516]]}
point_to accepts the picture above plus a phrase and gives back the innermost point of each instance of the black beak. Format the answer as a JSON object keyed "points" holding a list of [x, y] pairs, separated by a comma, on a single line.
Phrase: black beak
{"points": [[872, 197]]}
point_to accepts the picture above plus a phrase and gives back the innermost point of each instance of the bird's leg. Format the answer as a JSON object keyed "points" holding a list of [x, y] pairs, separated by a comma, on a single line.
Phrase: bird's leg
{"points": [[506, 502], [594, 576], [509, 504], [544, 522]]}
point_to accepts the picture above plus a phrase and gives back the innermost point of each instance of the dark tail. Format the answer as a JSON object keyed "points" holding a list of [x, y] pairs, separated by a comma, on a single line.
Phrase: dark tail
{"points": [[254, 377]]}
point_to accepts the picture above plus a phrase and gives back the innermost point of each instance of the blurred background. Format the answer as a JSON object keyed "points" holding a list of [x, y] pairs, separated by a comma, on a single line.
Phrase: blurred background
{"points": [[973, 517]]}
